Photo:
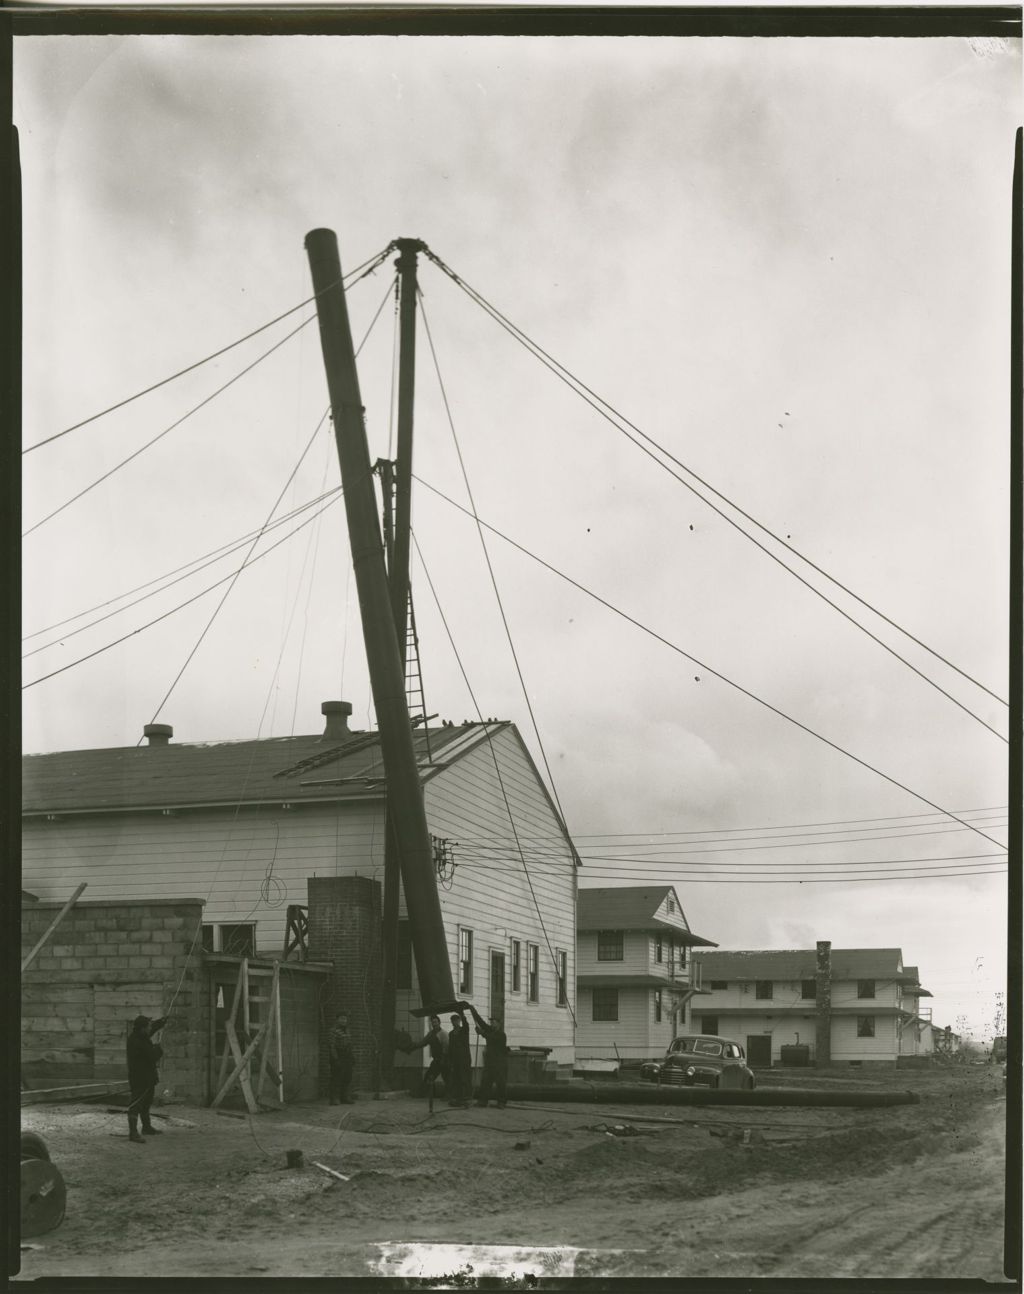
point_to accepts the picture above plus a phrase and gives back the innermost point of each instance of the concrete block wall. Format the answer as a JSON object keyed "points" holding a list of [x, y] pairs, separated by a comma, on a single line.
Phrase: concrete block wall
{"points": [[345, 929], [105, 964]]}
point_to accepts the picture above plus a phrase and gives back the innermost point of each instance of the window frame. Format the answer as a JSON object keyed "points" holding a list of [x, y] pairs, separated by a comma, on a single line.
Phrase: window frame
{"points": [[515, 965], [659, 948], [608, 998], [614, 940], [659, 1006], [764, 990], [533, 972], [865, 1026], [466, 960], [866, 989], [562, 971], [812, 996], [219, 937], [718, 985]]}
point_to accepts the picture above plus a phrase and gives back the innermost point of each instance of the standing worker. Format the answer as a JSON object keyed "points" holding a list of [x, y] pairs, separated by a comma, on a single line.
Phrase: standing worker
{"points": [[460, 1063], [495, 1057], [143, 1057], [342, 1061]]}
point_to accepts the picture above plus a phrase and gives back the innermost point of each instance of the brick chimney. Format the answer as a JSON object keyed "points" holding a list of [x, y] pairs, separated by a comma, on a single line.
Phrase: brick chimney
{"points": [[823, 1004], [158, 734], [336, 713]]}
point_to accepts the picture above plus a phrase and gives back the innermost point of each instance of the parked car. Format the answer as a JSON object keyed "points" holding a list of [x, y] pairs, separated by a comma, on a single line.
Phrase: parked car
{"points": [[702, 1059]]}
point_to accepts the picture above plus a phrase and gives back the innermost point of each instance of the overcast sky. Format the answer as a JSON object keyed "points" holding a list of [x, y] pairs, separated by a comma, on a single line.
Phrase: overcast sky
{"points": [[785, 261]]}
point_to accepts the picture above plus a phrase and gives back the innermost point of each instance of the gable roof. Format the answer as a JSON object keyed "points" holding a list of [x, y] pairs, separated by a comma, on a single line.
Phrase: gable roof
{"points": [[800, 963], [275, 769], [631, 907]]}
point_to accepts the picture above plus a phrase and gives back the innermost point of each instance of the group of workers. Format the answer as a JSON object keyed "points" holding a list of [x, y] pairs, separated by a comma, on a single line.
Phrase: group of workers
{"points": [[450, 1057]]}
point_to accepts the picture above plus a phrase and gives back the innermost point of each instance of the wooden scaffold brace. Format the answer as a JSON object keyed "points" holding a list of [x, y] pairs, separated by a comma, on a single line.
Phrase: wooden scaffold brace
{"points": [[251, 1051]]}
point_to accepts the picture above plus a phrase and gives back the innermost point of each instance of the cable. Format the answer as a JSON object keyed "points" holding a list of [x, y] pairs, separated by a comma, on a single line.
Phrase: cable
{"points": [[270, 515], [701, 665], [501, 783], [125, 461], [225, 551], [181, 605], [579, 387], [199, 363]]}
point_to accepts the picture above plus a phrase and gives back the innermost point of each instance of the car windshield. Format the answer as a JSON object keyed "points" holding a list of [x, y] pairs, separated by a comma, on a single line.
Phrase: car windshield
{"points": [[700, 1046]]}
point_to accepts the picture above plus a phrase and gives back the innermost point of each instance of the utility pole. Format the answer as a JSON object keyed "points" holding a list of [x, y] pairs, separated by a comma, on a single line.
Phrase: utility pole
{"points": [[398, 578], [387, 676]]}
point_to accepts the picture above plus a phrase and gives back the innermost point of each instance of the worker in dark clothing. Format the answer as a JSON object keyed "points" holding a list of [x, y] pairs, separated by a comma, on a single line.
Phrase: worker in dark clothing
{"points": [[437, 1042], [460, 1063], [495, 1058], [342, 1061], [143, 1057]]}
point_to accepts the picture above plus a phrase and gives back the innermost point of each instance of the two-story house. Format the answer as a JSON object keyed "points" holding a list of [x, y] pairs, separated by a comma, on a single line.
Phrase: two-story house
{"points": [[916, 1022], [773, 1000], [633, 974], [243, 825]]}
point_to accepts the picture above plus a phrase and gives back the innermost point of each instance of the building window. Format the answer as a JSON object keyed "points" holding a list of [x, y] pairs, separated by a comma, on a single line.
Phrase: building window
{"points": [[606, 1004], [465, 960], [865, 988], [808, 988], [207, 939], [517, 966], [563, 975], [763, 989], [533, 972], [239, 940], [403, 955], [609, 946], [657, 1006], [659, 948], [709, 1024], [719, 983], [865, 1026]]}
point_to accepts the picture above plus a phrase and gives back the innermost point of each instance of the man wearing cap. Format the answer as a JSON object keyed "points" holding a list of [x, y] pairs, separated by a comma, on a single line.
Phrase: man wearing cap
{"points": [[143, 1056], [460, 1063]]}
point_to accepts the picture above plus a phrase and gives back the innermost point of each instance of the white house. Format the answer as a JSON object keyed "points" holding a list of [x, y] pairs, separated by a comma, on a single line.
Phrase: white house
{"points": [[244, 824], [768, 1001], [633, 976]]}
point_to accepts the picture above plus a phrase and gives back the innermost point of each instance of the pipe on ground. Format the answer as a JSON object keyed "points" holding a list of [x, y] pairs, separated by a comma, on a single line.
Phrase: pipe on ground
{"points": [[657, 1094]]}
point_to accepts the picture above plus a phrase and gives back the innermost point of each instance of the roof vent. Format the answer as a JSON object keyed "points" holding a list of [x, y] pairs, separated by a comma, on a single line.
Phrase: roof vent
{"points": [[336, 713], [158, 734]]}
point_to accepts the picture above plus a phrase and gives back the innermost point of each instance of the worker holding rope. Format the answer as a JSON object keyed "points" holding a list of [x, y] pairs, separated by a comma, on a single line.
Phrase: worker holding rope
{"points": [[143, 1057], [495, 1057]]}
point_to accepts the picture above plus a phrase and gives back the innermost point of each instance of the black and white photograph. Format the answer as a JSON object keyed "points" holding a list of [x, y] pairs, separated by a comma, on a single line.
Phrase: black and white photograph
{"points": [[516, 650]]}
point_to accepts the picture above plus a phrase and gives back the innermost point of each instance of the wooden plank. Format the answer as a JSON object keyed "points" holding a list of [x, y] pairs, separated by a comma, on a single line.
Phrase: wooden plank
{"points": [[227, 1045], [45, 937], [239, 1074], [243, 973], [276, 1008]]}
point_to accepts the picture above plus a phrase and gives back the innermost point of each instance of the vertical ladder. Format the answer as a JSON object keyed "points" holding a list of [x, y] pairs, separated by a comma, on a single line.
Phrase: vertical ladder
{"points": [[414, 678]]}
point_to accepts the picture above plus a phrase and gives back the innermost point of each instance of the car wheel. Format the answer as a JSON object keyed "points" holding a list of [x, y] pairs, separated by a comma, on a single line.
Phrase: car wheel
{"points": [[33, 1146]]}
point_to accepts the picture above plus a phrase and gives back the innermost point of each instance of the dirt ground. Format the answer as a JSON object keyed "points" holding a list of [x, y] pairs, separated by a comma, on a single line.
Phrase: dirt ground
{"points": [[571, 1189]]}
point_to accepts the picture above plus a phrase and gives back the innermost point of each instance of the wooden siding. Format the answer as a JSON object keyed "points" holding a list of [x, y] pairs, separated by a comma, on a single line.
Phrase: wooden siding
{"points": [[226, 859], [792, 1029], [217, 855], [497, 893], [637, 955], [636, 1035]]}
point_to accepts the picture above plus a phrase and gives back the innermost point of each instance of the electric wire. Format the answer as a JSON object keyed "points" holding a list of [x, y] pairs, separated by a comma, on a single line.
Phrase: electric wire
{"points": [[150, 443], [715, 673], [800, 880], [246, 565], [501, 783], [612, 414], [376, 260], [226, 551], [284, 488]]}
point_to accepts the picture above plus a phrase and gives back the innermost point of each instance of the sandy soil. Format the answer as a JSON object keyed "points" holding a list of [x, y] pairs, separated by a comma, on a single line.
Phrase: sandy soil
{"points": [[903, 1191]]}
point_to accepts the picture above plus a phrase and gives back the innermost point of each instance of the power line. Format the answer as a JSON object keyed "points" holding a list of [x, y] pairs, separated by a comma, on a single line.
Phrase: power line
{"points": [[181, 605], [738, 687], [783, 826], [376, 260], [190, 569], [803, 880], [149, 444], [580, 387]]}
